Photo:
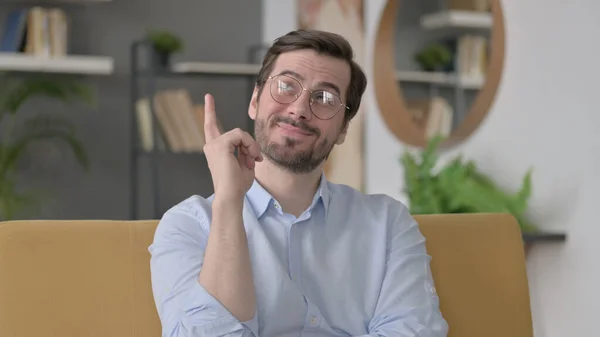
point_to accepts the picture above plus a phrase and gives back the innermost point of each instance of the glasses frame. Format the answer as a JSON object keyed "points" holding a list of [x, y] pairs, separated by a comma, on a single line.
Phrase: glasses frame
{"points": [[310, 96]]}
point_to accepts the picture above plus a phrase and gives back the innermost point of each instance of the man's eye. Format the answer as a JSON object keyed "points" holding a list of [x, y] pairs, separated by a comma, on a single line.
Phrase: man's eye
{"points": [[323, 97], [284, 86]]}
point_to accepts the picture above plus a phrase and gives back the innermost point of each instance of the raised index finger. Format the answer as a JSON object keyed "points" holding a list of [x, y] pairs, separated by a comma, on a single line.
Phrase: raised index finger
{"points": [[211, 130]]}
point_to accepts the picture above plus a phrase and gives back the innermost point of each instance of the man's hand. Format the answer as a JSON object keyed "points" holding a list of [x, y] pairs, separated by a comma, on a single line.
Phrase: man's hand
{"points": [[232, 177], [226, 270]]}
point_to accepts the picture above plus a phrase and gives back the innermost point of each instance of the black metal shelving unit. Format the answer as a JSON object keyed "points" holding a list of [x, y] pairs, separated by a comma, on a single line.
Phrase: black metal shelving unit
{"points": [[150, 72]]}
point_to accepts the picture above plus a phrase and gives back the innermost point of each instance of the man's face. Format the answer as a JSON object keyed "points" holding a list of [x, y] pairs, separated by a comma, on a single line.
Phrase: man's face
{"points": [[288, 132]]}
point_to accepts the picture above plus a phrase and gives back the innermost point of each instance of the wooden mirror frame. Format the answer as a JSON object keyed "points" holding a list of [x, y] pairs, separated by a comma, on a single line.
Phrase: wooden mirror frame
{"points": [[389, 94]]}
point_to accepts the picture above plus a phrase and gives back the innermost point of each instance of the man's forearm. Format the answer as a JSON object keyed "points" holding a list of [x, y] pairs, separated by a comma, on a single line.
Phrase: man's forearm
{"points": [[227, 273]]}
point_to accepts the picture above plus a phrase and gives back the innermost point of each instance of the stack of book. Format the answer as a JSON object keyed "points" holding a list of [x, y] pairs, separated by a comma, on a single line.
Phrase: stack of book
{"points": [[180, 121], [36, 31], [432, 116]]}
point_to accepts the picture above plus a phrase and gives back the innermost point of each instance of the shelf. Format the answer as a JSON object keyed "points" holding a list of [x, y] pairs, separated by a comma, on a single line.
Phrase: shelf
{"points": [[457, 19], [53, 2], [145, 68], [76, 64], [440, 78], [167, 153], [544, 237], [208, 68]]}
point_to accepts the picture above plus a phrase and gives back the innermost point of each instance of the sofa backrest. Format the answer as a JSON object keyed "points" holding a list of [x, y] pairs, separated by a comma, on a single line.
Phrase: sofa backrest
{"points": [[76, 278], [478, 264], [92, 278]]}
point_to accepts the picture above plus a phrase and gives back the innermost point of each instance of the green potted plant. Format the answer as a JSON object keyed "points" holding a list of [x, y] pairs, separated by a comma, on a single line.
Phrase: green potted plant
{"points": [[434, 57], [20, 132], [164, 44], [459, 187]]}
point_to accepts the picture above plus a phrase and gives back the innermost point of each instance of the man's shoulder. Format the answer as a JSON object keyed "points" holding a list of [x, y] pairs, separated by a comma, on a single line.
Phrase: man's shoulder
{"points": [[370, 210], [348, 196], [187, 216], [193, 209], [195, 206]]}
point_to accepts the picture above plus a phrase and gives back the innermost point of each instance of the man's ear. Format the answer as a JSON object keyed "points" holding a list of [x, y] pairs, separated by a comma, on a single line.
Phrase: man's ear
{"points": [[342, 136], [253, 107]]}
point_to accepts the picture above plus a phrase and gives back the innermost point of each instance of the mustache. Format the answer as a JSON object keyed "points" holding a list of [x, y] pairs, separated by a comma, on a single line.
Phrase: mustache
{"points": [[298, 124]]}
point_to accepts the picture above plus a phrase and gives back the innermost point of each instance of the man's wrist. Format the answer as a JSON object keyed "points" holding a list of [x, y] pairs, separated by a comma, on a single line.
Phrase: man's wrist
{"points": [[228, 203]]}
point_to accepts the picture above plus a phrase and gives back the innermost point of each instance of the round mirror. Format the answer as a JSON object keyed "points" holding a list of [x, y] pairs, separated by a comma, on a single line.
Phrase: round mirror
{"points": [[437, 67]]}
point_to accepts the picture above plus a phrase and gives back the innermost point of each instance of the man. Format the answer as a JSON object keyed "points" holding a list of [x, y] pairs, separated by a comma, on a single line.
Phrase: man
{"points": [[278, 250]]}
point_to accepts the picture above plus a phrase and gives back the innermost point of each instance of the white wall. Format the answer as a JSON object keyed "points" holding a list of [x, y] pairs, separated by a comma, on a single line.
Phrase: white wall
{"points": [[544, 116], [279, 17]]}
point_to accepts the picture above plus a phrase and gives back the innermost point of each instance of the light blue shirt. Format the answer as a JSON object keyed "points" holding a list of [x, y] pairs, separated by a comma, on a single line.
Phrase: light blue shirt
{"points": [[350, 265]]}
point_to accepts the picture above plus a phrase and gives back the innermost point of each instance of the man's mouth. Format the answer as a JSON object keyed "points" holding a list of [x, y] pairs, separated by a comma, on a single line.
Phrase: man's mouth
{"points": [[288, 128]]}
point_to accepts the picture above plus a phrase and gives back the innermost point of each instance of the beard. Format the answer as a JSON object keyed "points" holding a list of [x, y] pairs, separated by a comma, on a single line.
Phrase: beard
{"points": [[286, 155]]}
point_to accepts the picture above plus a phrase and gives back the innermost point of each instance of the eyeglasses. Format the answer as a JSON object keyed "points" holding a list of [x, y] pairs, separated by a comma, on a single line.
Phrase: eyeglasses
{"points": [[323, 104]]}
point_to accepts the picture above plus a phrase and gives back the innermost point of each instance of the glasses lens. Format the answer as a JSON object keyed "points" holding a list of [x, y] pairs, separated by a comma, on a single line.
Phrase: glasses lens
{"points": [[285, 89], [325, 104]]}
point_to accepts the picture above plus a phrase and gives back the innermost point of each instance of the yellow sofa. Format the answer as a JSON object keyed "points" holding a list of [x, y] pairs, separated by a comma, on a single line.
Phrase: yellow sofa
{"points": [[92, 278]]}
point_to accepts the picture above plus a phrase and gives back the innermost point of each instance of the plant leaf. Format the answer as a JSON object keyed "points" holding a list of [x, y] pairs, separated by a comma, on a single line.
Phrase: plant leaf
{"points": [[62, 89], [40, 128], [459, 187], [13, 203]]}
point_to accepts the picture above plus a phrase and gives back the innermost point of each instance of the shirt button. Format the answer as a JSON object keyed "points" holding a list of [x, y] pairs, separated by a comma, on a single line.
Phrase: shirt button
{"points": [[277, 205], [314, 320]]}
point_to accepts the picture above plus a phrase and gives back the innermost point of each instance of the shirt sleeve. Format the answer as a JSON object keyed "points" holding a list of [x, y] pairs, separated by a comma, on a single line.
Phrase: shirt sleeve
{"points": [[184, 307], [408, 305]]}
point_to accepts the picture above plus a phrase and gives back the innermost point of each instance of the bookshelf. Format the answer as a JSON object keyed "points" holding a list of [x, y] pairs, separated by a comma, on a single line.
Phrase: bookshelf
{"points": [[146, 76], [457, 19], [70, 64], [441, 79], [53, 2], [465, 76], [206, 68], [419, 98], [36, 37]]}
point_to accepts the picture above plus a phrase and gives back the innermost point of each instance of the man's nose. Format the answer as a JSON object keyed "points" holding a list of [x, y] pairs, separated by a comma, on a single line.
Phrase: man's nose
{"points": [[300, 108]]}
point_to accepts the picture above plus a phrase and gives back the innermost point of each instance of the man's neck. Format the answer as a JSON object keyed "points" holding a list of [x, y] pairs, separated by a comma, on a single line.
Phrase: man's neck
{"points": [[294, 192]]}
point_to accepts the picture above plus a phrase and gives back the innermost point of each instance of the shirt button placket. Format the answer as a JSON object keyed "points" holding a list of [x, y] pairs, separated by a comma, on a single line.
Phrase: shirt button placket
{"points": [[295, 255], [313, 317]]}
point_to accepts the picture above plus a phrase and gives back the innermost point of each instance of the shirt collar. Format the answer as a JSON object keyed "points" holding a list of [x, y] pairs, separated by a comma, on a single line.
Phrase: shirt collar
{"points": [[260, 199], [323, 194]]}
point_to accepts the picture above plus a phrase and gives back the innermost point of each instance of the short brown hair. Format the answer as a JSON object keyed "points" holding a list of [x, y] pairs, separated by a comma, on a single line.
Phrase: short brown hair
{"points": [[322, 42]]}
